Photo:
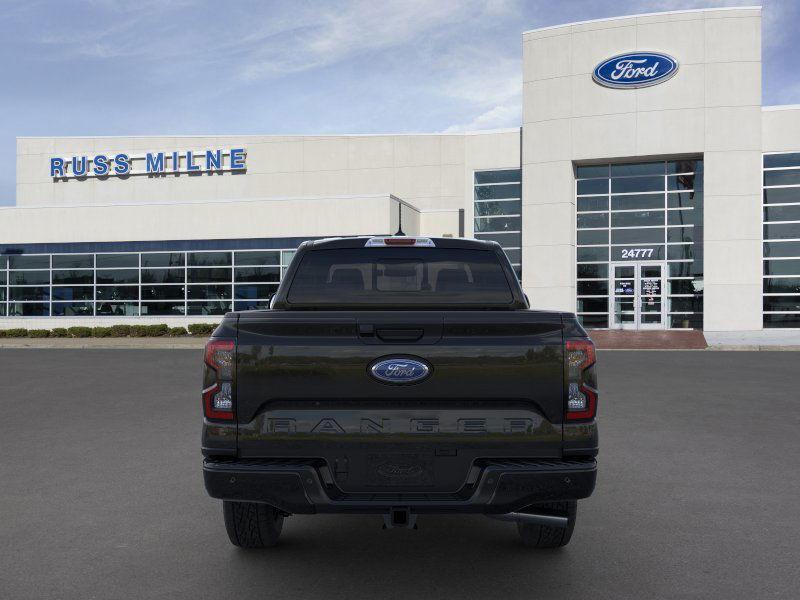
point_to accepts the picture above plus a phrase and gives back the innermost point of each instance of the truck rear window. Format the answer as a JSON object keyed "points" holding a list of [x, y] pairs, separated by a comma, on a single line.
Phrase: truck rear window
{"points": [[400, 276]]}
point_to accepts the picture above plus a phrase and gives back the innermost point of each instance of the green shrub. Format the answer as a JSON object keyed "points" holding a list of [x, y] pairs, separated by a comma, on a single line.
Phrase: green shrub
{"points": [[2, 333], [120, 330], [203, 329], [157, 330], [80, 332], [101, 332], [16, 332], [59, 332], [177, 331], [38, 333], [138, 330]]}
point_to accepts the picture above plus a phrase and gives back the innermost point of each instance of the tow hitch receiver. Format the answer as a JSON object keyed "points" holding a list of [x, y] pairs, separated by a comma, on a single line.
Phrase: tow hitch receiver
{"points": [[400, 516]]}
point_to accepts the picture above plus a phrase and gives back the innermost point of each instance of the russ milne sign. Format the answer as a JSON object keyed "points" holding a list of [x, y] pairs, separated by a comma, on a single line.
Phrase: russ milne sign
{"points": [[635, 70], [151, 163]]}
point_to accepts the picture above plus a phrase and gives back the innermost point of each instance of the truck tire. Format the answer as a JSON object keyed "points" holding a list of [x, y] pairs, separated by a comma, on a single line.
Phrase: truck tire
{"points": [[251, 524], [545, 536]]}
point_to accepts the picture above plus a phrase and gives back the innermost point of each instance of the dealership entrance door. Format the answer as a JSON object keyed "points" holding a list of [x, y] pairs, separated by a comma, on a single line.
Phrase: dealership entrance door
{"points": [[637, 295]]}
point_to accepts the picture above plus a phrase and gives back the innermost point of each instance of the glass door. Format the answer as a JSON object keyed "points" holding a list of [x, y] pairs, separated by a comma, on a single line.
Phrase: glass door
{"points": [[623, 296], [637, 295], [650, 296]]}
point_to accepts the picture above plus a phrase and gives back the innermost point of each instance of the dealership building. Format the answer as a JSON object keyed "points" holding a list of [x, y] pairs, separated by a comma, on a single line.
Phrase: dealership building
{"points": [[646, 188]]}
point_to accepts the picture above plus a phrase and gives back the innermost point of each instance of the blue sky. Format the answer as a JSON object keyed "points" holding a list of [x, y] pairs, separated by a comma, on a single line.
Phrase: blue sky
{"points": [[151, 67]]}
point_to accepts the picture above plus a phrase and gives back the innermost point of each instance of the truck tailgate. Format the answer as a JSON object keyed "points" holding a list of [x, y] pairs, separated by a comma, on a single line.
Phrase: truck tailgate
{"points": [[495, 389]]}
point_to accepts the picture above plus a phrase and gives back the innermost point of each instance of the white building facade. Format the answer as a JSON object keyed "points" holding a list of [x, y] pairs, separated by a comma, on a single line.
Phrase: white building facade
{"points": [[655, 192]]}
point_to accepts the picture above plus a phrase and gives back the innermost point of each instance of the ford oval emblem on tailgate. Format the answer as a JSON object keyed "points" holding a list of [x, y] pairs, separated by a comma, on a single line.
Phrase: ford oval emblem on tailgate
{"points": [[399, 370]]}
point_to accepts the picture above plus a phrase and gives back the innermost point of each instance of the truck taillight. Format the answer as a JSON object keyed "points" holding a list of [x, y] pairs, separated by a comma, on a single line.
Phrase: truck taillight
{"points": [[581, 380], [220, 358]]}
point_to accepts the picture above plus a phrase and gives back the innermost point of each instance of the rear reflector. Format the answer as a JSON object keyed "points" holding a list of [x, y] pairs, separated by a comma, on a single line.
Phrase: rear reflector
{"points": [[399, 241]]}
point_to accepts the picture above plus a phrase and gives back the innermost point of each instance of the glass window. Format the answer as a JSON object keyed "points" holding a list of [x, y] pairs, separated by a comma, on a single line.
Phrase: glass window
{"points": [[260, 257], [637, 236], [163, 276], [73, 309], [594, 321], [782, 303], [782, 195], [782, 285], [684, 199], [117, 275], [684, 182], [624, 185], [162, 308], [29, 277], [586, 204], [163, 259], [593, 254], [162, 292], [782, 249], [592, 186], [592, 271], [681, 269], [29, 293], [113, 261], [208, 308], [593, 305], [117, 292], [496, 192], [638, 218], [73, 261], [252, 292], [498, 224], [593, 220], [61, 277], [117, 309], [637, 202], [684, 166], [782, 213], [209, 292], [28, 309], [685, 304], [83, 292], [3, 262], [790, 159], [788, 177], [23, 261], [2, 277], [514, 256], [587, 171], [684, 217], [592, 236], [782, 267], [514, 240], [651, 168], [680, 234], [694, 321], [680, 252], [400, 277], [684, 286], [209, 259], [593, 288], [782, 320], [491, 208], [499, 176], [782, 231], [218, 275]]}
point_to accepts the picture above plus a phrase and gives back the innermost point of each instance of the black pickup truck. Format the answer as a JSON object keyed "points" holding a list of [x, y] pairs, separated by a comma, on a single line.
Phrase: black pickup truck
{"points": [[399, 376]]}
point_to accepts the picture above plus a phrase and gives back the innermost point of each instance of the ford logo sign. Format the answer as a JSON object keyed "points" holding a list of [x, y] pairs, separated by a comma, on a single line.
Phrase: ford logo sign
{"points": [[399, 370], [635, 70]]}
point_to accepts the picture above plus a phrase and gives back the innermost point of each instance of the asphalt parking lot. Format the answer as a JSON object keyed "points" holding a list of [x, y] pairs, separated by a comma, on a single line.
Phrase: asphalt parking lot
{"points": [[101, 494]]}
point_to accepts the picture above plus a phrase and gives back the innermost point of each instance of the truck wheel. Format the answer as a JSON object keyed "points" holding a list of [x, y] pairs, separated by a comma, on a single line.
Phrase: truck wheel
{"points": [[545, 536], [251, 524]]}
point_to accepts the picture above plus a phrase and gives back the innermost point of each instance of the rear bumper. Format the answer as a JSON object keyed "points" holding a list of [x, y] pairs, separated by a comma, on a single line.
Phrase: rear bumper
{"points": [[500, 486]]}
